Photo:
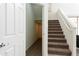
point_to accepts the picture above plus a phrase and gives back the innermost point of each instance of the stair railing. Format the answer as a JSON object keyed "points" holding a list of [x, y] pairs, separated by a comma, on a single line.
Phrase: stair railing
{"points": [[68, 30]]}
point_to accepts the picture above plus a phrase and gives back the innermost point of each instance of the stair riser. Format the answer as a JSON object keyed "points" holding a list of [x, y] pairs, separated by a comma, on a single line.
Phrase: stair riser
{"points": [[52, 36], [54, 26], [53, 40], [59, 46], [55, 29], [53, 21], [60, 53], [55, 32]]}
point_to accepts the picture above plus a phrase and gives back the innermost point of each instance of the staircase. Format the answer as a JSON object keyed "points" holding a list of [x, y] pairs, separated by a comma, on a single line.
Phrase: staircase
{"points": [[57, 44]]}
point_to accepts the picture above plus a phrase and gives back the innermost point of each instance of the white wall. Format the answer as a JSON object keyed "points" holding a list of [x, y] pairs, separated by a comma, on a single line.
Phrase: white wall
{"points": [[30, 27], [52, 12], [37, 11], [69, 8]]}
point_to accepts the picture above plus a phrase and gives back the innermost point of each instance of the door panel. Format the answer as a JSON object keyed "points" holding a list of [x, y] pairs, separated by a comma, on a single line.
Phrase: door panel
{"points": [[10, 19]]}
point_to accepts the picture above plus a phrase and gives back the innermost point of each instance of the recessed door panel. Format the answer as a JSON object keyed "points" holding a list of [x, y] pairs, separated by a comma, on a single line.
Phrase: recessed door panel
{"points": [[10, 20]]}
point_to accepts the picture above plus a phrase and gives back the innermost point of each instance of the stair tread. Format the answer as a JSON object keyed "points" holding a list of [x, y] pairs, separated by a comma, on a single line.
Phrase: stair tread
{"points": [[59, 50], [53, 25], [53, 20], [54, 55], [57, 43], [57, 39], [63, 40], [56, 34], [55, 31], [54, 28]]}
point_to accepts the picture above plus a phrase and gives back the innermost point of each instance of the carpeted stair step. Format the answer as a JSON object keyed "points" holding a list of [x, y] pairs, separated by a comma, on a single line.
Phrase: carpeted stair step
{"points": [[55, 32], [57, 40], [56, 35], [52, 20], [53, 29], [55, 21], [54, 26], [59, 51], [58, 45]]}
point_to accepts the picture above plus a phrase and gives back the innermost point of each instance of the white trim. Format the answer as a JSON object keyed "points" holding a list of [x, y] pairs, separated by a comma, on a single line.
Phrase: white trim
{"points": [[45, 31]]}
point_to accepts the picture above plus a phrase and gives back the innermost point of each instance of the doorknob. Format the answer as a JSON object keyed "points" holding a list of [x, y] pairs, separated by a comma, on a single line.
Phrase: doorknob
{"points": [[2, 45]]}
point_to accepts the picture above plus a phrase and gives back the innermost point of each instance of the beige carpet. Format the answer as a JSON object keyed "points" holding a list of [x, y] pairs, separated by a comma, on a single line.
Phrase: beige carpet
{"points": [[35, 49]]}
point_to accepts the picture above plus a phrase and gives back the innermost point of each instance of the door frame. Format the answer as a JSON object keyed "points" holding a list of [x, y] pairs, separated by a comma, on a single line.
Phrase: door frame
{"points": [[44, 30]]}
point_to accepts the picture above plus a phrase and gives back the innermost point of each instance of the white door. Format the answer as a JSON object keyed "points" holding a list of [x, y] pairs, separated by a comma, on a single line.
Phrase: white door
{"points": [[12, 29]]}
